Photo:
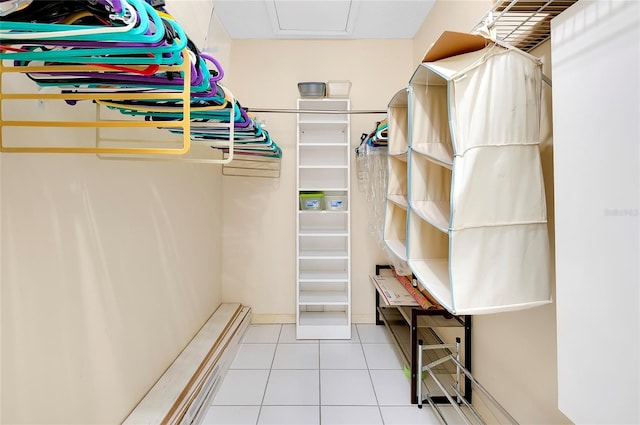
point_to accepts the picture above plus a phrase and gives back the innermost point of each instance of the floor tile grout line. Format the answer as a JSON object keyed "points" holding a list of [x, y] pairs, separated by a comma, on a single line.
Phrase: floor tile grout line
{"points": [[264, 393], [375, 393], [319, 386]]}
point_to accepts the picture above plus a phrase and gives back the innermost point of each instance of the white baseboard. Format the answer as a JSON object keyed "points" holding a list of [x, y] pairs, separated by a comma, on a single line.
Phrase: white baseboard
{"points": [[273, 318]]}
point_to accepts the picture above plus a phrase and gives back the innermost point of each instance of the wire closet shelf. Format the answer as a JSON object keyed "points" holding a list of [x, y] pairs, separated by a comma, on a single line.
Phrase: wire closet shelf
{"points": [[524, 24]]}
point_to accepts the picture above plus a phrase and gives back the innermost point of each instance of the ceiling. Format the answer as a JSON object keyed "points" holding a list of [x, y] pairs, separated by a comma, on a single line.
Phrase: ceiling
{"points": [[322, 19]]}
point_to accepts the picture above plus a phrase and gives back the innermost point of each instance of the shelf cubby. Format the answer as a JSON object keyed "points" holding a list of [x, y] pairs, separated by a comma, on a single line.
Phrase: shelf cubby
{"points": [[323, 247], [327, 177], [314, 133], [323, 293], [397, 118], [430, 132], [397, 178], [332, 268], [395, 229], [331, 116], [320, 318], [430, 191], [428, 257], [317, 155], [323, 223]]}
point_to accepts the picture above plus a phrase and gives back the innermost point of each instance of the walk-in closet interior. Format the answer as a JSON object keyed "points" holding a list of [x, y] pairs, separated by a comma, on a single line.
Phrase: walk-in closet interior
{"points": [[459, 190]]}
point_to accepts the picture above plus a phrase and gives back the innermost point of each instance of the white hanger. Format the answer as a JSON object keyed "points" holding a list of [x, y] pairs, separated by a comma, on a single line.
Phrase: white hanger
{"points": [[11, 6], [130, 21]]}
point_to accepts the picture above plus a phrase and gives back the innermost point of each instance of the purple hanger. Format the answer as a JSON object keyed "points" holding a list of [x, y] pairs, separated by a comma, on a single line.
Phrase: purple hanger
{"points": [[116, 5]]}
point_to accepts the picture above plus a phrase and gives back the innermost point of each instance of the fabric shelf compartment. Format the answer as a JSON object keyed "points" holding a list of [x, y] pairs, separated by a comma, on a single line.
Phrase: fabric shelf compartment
{"points": [[430, 132], [508, 273], [497, 102], [397, 179], [498, 186], [428, 257], [430, 191], [395, 230], [397, 116]]}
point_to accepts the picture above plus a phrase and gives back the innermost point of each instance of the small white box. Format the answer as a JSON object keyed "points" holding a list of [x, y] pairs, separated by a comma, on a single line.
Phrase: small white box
{"points": [[335, 203], [339, 89]]}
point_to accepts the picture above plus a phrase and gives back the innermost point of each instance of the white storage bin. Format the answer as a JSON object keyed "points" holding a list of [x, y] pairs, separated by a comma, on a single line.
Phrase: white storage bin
{"points": [[338, 89], [335, 203]]}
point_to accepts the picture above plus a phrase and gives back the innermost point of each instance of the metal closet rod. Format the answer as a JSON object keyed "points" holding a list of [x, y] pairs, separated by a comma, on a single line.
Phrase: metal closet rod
{"points": [[314, 111], [352, 111]]}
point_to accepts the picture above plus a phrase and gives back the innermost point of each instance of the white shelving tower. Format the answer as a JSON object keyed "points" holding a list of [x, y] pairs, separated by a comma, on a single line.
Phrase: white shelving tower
{"points": [[323, 246]]}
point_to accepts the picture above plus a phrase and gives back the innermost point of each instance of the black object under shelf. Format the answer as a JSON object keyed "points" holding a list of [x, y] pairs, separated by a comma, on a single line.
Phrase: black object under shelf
{"points": [[408, 324]]}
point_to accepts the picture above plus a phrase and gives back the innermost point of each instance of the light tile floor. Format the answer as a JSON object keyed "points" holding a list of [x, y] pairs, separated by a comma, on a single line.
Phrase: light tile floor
{"points": [[275, 379]]}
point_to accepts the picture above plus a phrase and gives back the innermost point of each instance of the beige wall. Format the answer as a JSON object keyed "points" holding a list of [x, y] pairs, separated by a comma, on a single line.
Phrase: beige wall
{"points": [[259, 214], [108, 271], [109, 268]]}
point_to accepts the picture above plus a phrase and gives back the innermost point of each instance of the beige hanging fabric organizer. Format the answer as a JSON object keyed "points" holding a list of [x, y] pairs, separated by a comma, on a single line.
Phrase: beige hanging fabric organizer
{"points": [[476, 225]]}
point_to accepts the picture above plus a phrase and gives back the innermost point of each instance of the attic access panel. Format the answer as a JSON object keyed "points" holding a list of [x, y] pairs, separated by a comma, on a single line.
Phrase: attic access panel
{"points": [[312, 17]]}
